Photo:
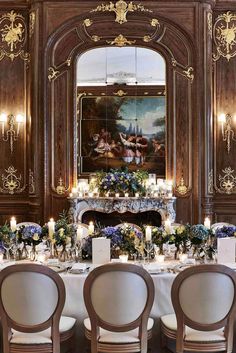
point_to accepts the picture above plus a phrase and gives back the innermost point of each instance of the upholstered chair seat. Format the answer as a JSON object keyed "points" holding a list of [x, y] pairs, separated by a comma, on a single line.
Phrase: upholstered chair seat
{"points": [[66, 324], [169, 324], [118, 337]]}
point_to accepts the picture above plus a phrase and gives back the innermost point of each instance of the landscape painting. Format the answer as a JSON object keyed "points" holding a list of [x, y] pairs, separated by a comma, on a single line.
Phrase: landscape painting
{"points": [[122, 131]]}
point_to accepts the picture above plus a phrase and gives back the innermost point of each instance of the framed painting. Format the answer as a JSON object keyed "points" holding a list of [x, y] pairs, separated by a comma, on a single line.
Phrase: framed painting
{"points": [[122, 131]]}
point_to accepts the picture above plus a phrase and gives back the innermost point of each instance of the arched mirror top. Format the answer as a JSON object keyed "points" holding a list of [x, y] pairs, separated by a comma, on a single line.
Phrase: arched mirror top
{"points": [[126, 65], [121, 110]]}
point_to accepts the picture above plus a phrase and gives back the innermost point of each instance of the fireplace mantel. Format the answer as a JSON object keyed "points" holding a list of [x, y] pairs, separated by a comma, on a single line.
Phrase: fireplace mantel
{"points": [[80, 205]]}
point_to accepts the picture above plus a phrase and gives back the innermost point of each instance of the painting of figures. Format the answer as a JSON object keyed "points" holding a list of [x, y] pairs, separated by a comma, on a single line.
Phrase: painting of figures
{"points": [[122, 131]]}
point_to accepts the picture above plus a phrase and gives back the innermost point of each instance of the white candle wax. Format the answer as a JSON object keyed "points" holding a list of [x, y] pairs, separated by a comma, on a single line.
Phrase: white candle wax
{"points": [[148, 233], [13, 224], [160, 258], [167, 226], [91, 228], [123, 258], [79, 233], [207, 222], [117, 195], [74, 191], [126, 194], [51, 228], [136, 194]]}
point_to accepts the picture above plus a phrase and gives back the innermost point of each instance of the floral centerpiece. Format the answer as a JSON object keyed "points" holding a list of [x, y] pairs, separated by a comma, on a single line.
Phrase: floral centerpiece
{"points": [[121, 181], [159, 238], [199, 235], [30, 235], [225, 231], [7, 238], [124, 238]]}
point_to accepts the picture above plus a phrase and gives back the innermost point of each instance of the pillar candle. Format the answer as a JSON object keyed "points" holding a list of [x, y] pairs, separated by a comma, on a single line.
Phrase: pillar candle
{"points": [[148, 233], [91, 228], [13, 224], [51, 228], [79, 233], [207, 222]]}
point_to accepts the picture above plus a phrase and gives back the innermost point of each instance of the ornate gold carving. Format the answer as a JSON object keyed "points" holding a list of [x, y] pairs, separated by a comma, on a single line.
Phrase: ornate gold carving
{"points": [[227, 181], [79, 95], [147, 38], [88, 22], [61, 189], [224, 34], [11, 183], [95, 38], [155, 22], [121, 8], [13, 36], [120, 93], [210, 182], [32, 18], [173, 62], [209, 23], [181, 188], [121, 41], [52, 73], [31, 182], [189, 73]]}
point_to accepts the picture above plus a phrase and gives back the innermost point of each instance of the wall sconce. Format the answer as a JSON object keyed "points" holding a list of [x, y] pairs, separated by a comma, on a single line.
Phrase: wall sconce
{"points": [[12, 133], [227, 131]]}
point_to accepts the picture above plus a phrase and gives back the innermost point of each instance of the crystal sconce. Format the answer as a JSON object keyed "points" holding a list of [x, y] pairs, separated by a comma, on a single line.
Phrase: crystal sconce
{"points": [[12, 133], [227, 131]]}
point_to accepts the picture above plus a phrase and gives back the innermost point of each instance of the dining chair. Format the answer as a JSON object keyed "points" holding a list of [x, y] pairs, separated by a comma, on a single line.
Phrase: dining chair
{"points": [[32, 297], [218, 225], [118, 298], [27, 224], [204, 301]]}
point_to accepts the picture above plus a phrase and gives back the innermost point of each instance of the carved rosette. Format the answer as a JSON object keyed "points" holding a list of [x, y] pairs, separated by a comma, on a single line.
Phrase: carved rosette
{"points": [[79, 206], [13, 36]]}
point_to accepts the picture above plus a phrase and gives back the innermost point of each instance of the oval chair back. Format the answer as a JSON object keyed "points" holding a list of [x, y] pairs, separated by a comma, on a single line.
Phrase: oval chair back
{"points": [[119, 298], [31, 300]]}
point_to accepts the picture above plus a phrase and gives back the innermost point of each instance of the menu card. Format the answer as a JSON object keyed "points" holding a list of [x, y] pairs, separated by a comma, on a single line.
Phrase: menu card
{"points": [[225, 250], [101, 252]]}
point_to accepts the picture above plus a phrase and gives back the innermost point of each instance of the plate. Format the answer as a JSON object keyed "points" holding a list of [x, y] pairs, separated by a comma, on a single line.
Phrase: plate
{"points": [[56, 268]]}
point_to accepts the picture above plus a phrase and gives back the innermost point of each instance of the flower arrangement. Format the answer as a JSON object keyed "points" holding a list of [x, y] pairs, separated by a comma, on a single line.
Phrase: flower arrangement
{"points": [[225, 231], [121, 181], [124, 238], [29, 235]]}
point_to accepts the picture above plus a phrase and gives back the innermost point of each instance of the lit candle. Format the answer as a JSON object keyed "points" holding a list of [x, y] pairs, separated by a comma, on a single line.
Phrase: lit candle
{"points": [[91, 228], [13, 224], [123, 258], [126, 194], [70, 194], [51, 228], [207, 222], [74, 191], [167, 226], [117, 195], [79, 233], [222, 120], [80, 194], [148, 233], [136, 194]]}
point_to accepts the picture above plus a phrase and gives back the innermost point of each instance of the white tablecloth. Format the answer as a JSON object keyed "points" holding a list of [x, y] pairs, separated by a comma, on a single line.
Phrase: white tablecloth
{"points": [[75, 307]]}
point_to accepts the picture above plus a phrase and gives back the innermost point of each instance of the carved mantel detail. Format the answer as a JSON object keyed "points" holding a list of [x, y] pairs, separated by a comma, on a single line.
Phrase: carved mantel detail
{"points": [[78, 206]]}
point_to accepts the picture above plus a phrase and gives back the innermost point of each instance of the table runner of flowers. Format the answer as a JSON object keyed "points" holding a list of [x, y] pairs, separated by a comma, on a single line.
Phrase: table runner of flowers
{"points": [[197, 240]]}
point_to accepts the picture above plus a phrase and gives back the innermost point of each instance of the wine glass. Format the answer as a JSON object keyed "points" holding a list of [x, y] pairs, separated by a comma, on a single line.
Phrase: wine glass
{"points": [[148, 246]]}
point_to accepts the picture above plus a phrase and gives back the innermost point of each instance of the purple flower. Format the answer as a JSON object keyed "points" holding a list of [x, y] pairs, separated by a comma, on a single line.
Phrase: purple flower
{"points": [[226, 231]]}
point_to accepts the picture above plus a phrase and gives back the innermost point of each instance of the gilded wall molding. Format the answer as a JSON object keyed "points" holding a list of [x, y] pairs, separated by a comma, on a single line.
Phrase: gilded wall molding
{"points": [[11, 183], [224, 35], [121, 9], [227, 181], [60, 188], [31, 182], [182, 188], [120, 93], [32, 18], [13, 36], [209, 23], [121, 41], [52, 73], [189, 73], [210, 182]]}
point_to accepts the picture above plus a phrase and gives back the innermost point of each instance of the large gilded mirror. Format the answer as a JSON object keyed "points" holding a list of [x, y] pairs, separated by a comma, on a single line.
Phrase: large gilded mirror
{"points": [[121, 107]]}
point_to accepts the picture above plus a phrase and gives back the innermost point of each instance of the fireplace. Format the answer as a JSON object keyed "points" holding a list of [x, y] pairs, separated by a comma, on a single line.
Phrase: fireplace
{"points": [[111, 210]]}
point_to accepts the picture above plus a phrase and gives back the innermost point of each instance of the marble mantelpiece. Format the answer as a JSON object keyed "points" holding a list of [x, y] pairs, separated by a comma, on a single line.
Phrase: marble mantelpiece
{"points": [[80, 205]]}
